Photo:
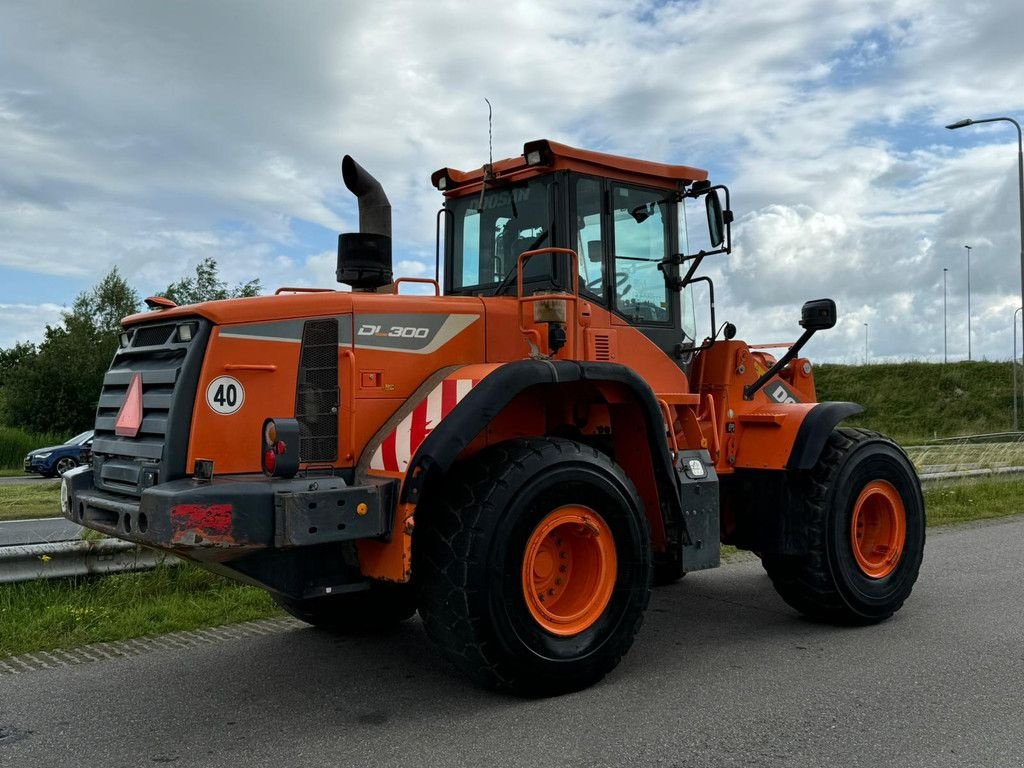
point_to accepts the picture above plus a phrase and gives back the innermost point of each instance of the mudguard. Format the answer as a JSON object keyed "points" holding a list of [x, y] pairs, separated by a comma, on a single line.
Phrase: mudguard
{"points": [[814, 431]]}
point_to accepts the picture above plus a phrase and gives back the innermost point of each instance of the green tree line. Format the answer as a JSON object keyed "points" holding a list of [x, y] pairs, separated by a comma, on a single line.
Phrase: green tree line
{"points": [[53, 386]]}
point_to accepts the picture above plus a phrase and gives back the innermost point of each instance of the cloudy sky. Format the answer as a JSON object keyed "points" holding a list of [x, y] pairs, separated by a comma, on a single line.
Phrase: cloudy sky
{"points": [[148, 135]]}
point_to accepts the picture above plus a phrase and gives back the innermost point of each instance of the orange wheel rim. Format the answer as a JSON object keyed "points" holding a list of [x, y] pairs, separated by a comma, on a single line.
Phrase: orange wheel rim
{"points": [[569, 570], [878, 529]]}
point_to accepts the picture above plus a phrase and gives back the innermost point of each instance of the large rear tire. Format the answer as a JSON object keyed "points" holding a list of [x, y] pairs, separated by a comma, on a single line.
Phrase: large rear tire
{"points": [[865, 526], [534, 566], [381, 607]]}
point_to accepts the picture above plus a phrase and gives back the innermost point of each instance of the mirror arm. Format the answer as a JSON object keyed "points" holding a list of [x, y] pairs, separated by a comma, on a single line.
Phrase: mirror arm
{"points": [[751, 389]]}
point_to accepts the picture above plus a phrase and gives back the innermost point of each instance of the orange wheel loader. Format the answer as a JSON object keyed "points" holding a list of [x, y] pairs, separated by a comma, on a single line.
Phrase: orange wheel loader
{"points": [[518, 457]]}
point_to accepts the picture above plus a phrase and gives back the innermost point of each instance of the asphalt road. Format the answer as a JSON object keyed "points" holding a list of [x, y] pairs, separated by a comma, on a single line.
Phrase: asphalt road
{"points": [[723, 674]]}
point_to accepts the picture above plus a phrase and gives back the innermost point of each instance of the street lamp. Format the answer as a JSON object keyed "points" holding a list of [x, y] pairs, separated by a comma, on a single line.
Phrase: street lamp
{"points": [[945, 355], [865, 343], [968, 301], [1013, 364], [1020, 178]]}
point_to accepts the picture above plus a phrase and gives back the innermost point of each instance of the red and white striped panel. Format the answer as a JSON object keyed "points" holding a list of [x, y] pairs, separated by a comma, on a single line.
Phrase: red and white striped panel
{"points": [[398, 448]]}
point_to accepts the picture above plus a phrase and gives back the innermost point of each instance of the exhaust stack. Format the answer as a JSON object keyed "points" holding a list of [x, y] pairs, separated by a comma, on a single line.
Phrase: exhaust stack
{"points": [[364, 257]]}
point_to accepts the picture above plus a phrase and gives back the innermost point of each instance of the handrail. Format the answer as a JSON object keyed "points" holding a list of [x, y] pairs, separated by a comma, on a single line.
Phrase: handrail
{"points": [[666, 412], [351, 394], [286, 289], [527, 255], [574, 297], [423, 280]]}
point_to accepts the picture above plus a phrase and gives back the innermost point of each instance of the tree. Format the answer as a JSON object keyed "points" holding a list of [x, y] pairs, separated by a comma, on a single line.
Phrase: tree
{"points": [[206, 285], [57, 388]]}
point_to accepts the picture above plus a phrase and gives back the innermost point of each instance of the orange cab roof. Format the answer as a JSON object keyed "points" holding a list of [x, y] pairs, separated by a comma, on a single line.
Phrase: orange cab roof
{"points": [[553, 156]]}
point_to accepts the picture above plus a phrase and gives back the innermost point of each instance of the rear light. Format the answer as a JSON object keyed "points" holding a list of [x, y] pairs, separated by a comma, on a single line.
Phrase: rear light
{"points": [[125, 340], [186, 331], [279, 454]]}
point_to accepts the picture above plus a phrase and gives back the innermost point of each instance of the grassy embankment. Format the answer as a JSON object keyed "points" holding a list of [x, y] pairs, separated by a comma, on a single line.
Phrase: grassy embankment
{"points": [[917, 402]]}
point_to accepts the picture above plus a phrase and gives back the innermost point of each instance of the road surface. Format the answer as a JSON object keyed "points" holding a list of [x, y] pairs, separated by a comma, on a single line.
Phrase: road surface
{"points": [[723, 674]]}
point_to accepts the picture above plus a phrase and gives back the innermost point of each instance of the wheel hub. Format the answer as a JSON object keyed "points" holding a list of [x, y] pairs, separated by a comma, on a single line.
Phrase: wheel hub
{"points": [[569, 570], [878, 529]]}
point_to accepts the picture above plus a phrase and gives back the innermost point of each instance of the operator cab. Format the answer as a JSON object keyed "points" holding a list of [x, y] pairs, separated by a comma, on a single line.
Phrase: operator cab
{"points": [[625, 219]]}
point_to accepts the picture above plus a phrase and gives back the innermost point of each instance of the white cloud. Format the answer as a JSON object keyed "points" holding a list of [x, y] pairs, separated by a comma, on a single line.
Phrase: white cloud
{"points": [[24, 322]]}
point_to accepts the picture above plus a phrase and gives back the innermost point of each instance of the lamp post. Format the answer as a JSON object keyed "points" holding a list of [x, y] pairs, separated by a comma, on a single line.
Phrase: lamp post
{"points": [[968, 301], [1013, 364], [865, 343], [1020, 178], [945, 354]]}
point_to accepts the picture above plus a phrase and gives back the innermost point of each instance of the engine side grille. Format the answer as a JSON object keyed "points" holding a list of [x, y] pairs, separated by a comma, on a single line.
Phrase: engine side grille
{"points": [[316, 392], [170, 372]]}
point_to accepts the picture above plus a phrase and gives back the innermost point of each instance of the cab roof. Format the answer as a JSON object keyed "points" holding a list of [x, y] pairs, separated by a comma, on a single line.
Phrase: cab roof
{"points": [[544, 156]]}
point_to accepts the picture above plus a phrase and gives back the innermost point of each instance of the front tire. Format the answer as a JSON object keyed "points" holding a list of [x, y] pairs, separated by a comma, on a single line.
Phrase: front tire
{"points": [[534, 567], [865, 525]]}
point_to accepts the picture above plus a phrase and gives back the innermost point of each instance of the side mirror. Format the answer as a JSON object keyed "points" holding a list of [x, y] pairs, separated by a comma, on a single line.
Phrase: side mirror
{"points": [[716, 220], [818, 315], [594, 251]]}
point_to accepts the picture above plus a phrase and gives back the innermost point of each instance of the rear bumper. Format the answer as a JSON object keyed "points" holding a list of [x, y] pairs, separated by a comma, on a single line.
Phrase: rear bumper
{"points": [[232, 516]]}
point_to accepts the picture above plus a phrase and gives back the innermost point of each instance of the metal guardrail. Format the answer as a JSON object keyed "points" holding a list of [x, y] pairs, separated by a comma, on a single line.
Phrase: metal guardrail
{"points": [[60, 559], [53, 547]]}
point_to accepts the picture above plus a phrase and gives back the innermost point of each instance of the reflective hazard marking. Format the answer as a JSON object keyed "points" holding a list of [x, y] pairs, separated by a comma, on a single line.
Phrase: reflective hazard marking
{"points": [[225, 395], [398, 448]]}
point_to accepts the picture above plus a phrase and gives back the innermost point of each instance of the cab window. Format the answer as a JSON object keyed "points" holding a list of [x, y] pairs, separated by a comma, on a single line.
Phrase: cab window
{"points": [[489, 234], [588, 237], [640, 237]]}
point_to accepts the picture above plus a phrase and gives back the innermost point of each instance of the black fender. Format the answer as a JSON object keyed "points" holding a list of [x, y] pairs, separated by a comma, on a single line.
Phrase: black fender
{"points": [[814, 431], [487, 399]]}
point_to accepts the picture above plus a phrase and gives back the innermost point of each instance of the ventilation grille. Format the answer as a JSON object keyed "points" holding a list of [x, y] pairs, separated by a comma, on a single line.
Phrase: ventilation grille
{"points": [[601, 344], [316, 393], [152, 335]]}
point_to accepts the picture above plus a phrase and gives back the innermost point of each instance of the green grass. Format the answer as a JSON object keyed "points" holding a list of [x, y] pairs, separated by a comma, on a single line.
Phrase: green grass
{"points": [[916, 402], [15, 443], [66, 613], [21, 501], [969, 500]]}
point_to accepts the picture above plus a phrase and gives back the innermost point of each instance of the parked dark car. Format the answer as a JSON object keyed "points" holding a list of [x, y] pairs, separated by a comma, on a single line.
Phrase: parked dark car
{"points": [[58, 459]]}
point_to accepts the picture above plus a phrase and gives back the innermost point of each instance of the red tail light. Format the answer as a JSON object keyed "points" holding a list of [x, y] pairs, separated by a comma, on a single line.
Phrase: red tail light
{"points": [[280, 447]]}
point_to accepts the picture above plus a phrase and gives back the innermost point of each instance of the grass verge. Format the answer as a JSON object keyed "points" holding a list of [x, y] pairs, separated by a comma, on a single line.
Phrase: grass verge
{"points": [[21, 501], [969, 500], [66, 613]]}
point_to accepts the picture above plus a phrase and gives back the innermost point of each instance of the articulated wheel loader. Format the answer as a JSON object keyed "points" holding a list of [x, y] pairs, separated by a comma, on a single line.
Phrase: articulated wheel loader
{"points": [[518, 457]]}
